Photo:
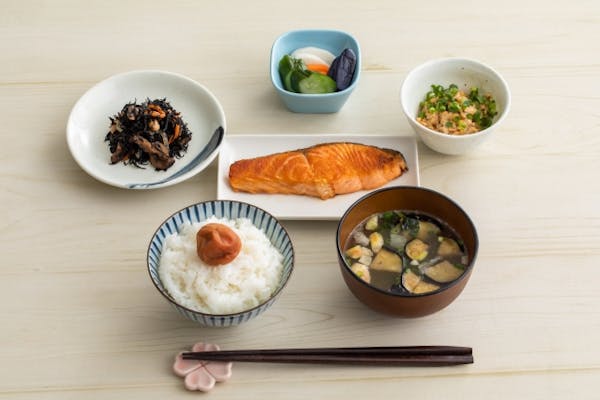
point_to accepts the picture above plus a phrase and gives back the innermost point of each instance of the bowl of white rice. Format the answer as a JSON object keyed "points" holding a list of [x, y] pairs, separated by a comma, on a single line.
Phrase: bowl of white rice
{"points": [[227, 294]]}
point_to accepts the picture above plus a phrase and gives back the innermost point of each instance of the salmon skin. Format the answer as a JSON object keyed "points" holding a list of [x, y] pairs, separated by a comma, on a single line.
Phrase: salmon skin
{"points": [[323, 170]]}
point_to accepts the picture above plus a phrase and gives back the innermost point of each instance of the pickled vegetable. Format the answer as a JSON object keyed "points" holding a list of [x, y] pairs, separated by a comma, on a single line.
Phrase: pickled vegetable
{"points": [[309, 70], [316, 83], [314, 58], [287, 66], [342, 69], [314, 55]]}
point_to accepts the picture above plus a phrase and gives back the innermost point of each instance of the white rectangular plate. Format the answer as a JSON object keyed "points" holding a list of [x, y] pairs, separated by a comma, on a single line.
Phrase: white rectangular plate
{"points": [[236, 147]]}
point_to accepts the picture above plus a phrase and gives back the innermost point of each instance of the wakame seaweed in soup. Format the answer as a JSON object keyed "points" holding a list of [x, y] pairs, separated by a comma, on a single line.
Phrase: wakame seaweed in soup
{"points": [[405, 252]]}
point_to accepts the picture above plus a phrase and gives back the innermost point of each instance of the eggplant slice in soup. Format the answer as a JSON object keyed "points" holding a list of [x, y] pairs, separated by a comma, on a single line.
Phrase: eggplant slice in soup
{"points": [[417, 250], [415, 284], [448, 247], [386, 260], [427, 230], [444, 272]]}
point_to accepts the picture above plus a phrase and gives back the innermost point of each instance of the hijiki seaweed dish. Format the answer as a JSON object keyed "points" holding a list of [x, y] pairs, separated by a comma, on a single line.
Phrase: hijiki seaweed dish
{"points": [[151, 132]]}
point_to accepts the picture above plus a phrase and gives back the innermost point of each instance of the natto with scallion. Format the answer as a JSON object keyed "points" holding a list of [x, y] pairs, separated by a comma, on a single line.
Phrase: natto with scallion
{"points": [[452, 111]]}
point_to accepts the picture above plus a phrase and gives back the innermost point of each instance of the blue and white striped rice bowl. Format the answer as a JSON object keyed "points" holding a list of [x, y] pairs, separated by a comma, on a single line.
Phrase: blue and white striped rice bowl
{"points": [[222, 209]]}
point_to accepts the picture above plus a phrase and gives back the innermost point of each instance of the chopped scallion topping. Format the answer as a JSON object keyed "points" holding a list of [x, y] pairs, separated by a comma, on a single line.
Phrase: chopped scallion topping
{"points": [[453, 101]]}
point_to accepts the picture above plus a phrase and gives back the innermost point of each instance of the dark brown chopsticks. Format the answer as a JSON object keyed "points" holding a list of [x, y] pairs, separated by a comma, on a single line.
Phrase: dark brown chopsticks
{"points": [[398, 356]]}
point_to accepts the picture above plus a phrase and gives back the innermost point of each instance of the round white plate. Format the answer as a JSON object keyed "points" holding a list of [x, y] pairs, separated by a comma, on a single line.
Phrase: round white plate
{"points": [[89, 122]]}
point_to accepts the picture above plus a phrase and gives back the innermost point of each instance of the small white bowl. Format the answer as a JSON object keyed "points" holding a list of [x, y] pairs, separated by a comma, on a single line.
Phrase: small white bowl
{"points": [[466, 74]]}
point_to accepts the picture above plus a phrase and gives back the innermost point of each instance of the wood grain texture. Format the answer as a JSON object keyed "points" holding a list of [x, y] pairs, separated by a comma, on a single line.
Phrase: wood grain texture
{"points": [[80, 317]]}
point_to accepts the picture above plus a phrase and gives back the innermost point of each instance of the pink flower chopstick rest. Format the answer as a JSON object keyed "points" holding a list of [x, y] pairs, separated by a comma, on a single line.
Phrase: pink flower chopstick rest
{"points": [[201, 375]]}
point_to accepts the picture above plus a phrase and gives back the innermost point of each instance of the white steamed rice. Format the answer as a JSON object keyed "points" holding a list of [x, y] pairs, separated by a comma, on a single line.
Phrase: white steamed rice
{"points": [[244, 283]]}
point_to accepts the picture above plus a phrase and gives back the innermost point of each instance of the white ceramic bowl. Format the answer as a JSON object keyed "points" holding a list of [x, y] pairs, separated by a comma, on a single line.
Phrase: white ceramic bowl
{"points": [[466, 74], [89, 122]]}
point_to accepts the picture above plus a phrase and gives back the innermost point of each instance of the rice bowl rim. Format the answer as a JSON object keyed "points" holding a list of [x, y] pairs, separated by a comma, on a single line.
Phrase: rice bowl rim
{"points": [[282, 284]]}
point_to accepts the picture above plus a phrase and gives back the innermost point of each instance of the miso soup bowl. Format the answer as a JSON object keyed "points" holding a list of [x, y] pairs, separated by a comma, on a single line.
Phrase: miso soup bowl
{"points": [[199, 212], [331, 40], [415, 199]]}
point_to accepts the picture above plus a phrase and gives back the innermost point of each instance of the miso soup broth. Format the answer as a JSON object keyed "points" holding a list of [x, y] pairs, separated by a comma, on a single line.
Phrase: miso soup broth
{"points": [[404, 251]]}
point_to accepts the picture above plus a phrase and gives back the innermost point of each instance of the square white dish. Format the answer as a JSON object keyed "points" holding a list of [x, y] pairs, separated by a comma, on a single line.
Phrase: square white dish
{"points": [[236, 147]]}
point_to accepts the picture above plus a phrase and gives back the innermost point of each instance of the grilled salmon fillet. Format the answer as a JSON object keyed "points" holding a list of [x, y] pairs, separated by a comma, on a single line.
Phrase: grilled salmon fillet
{"points": [[323, 170]]}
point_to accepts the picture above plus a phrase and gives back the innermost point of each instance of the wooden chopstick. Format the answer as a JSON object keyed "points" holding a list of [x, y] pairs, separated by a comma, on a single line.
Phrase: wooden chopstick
{"points": [[405, 355]]}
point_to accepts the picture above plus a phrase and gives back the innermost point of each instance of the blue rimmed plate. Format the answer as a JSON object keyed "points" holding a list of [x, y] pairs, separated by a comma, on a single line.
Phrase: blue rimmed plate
{"points": [[221, 209], [89, 122]]}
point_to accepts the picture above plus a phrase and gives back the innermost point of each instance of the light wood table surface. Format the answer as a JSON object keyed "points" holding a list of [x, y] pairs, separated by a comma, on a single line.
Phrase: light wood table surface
{"points": [[80, 319]]}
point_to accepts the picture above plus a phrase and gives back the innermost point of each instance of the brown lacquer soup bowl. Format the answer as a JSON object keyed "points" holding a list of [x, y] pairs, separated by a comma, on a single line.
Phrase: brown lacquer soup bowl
{"points": [[406, 251]]}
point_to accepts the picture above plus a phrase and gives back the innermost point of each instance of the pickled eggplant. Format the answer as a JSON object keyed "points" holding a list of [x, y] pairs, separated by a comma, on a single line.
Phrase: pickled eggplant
{"points": [[342, 69]]}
